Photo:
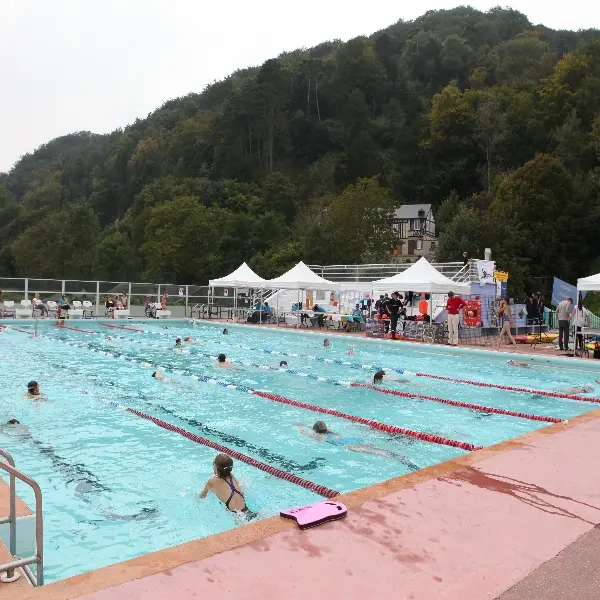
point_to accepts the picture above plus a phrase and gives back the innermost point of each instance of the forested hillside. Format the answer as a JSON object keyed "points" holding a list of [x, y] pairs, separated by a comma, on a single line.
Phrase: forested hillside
{"points": [[492, 120]]}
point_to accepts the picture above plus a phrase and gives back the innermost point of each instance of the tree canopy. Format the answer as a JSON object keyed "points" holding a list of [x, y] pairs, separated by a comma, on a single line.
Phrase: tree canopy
{"points": [[492, 120]]}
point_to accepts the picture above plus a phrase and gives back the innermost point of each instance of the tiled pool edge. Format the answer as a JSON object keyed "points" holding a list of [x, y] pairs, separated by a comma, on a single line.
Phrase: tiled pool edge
{"points": [[165, 560]]}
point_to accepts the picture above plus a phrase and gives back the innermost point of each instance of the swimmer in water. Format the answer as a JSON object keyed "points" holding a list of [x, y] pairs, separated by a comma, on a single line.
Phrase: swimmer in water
{"points": [[518, 363], [350, 351], [225, 331], [223, 362], [158, 375], [378, 378], [189, 340], [283, 364], [226, 487], [145, 364], [33, 391], [326, 343], [178, 343], [321, 433], [584, 389]]}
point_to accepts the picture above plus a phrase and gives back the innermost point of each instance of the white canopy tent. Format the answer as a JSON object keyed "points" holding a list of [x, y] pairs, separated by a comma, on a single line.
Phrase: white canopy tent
{"points": [[589, 284], [300, 277], [421, 277], [242, 277]]}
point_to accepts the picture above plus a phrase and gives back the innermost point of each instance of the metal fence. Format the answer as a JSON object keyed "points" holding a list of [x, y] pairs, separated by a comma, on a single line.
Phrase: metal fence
{"points": [[182, 298], [371, 272]]}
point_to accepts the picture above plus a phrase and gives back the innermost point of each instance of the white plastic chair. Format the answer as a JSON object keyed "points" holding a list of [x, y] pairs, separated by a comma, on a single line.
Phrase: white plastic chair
{"points": [[88, 307], [25, 312], [9, 308], [76, 310], [52, 307]]}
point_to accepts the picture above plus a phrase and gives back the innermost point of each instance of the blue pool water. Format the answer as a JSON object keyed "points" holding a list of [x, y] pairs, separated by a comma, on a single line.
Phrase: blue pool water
{"points": [[117, 486]]}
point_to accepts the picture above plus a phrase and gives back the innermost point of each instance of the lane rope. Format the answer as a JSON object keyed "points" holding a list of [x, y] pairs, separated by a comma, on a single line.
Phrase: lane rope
{"points": [[427, 437], [409, 395], [121, 327], [491, 409]]}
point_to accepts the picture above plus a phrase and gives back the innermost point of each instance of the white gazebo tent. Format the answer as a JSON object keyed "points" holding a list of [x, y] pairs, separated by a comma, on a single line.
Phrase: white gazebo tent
{"points": [[421, 277], [589, 284], [242, 277], [299, 278]]}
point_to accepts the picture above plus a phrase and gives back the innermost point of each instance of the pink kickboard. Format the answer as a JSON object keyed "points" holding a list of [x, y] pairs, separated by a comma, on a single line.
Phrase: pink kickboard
{"points": [[315, 514]]}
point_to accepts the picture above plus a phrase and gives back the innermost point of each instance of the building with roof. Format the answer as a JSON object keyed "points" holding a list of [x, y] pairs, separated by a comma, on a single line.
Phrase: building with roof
{"points": [[414, 227]]}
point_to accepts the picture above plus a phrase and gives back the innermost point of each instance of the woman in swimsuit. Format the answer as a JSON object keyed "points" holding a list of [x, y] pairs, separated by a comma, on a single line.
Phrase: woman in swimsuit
{"points": [[505, 311], [226, 487]]}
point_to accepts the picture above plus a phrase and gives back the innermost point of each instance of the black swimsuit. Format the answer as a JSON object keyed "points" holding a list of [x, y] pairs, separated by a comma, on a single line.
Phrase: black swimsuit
{"points": [[247, 512]]}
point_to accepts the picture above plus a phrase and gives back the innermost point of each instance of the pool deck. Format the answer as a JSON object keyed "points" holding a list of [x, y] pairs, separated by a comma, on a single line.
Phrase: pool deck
{"points": [[514, 521]]}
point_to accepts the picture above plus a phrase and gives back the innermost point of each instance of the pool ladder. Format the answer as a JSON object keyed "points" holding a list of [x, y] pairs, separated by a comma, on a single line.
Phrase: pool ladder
{"points": [[7, 571]]}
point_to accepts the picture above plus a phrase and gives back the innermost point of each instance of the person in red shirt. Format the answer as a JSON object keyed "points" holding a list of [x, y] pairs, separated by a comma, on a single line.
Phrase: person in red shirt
{"points": [[453, 306]]}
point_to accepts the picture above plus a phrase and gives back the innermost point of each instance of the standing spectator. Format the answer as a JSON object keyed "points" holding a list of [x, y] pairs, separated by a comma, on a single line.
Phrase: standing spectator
{"points": [[465, 258], [563, 314], [581, 318], [541, 306], [392, 307], [453, 305], [163, 301], [531, 307]]}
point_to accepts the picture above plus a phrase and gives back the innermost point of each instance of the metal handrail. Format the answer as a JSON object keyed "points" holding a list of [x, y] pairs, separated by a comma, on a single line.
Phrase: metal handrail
{"points": [[12, 518], [38, 557]]}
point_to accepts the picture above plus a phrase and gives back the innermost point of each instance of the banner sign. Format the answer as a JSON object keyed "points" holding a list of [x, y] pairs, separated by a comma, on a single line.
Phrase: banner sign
{"points": [[501, 275], [485, 271], [561, 290]]}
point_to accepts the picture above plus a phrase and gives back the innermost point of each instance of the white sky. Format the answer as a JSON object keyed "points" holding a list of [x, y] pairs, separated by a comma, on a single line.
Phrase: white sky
{"points": [[72, 65]]}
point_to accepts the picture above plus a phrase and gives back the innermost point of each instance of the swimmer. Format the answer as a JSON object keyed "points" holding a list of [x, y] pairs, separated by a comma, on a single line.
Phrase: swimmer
{"points": [[15, 428], [158, 375], [597, 380], [33, 391], [326, 343], [378, 378], [225, 331], [60, 323], [350, 351], [189, 340], [518, 363], [145, 364], [178, 343], [223, 362], [283, 364], [321, 433], [226, 487], [584, 389]]}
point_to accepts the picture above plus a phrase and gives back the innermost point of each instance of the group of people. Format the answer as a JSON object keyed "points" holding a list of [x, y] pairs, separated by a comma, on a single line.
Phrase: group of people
{"points": [[118, 302], [569, 316]]}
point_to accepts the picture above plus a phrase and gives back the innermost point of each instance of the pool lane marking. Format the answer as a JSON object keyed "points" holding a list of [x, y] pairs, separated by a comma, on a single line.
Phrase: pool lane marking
{"points": [[427, 437], [410, 395]]}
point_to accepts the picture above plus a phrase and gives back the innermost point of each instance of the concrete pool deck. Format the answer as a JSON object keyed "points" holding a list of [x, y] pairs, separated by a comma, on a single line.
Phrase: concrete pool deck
{"points": [[468, 529]]}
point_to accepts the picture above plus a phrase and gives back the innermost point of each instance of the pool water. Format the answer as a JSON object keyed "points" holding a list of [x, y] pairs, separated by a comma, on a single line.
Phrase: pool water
{"points": [[117, 486]]}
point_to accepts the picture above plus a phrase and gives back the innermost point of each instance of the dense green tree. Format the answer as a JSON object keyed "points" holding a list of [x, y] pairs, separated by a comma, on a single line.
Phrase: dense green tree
{"points": [[62, 240], [305, 156]]}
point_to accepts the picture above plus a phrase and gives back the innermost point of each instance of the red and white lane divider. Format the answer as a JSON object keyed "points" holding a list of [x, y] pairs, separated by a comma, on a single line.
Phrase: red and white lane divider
{"points": [[121, 327], [426, 437], [510, 388], [309, 485], [490, 409]]}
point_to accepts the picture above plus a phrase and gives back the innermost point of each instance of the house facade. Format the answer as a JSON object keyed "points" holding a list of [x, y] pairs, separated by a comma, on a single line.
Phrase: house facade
{"points": [[413, 226]]}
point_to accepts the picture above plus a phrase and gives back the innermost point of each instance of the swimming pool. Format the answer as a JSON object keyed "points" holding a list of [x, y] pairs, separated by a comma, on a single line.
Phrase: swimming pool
{"points": [[117, 486]]}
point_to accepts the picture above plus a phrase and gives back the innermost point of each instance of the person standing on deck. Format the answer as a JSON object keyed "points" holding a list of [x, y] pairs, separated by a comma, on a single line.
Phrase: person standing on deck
{"points": [[453, 305], [563, 314]]}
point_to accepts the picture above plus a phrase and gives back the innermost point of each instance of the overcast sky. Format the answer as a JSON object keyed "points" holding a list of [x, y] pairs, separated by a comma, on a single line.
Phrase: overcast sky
{"points": [[72, 65]]}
